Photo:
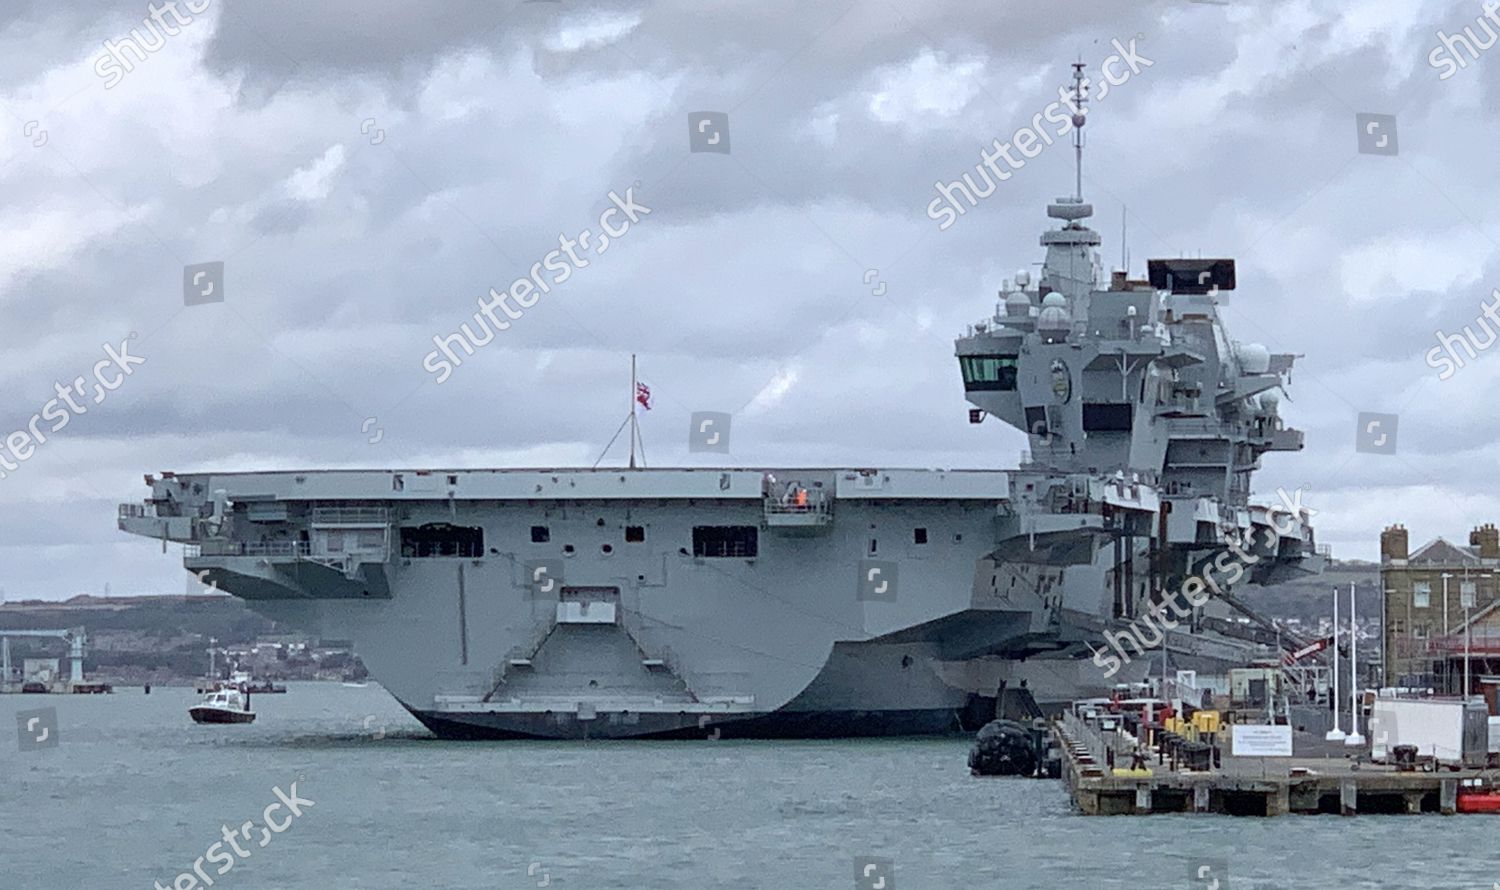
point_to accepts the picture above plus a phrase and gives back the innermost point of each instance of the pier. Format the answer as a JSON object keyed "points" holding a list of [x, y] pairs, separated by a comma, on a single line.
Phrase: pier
{"points": [[43, 675], [1095, 770]]}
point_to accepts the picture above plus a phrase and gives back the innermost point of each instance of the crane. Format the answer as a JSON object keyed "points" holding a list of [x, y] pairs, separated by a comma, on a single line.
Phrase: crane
{"points": [[75, 636]]}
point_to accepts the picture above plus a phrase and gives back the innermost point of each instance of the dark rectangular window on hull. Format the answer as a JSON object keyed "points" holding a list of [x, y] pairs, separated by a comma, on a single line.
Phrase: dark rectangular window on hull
{"points": [[988, 372], [739, 541], [1106, 418], [442, 539]]}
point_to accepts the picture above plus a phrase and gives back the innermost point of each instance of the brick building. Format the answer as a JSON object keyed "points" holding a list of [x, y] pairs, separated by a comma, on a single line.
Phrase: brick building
{"points": [[1433, 598]]}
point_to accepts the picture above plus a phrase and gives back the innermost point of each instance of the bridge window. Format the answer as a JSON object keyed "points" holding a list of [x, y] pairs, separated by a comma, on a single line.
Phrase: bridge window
{"points": [[1107, 417], [738, 541], [988, 372], [442, 539]]}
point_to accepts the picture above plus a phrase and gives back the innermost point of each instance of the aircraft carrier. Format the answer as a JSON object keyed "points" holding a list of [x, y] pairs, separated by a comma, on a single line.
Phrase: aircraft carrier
{"points": [[802, 602]]}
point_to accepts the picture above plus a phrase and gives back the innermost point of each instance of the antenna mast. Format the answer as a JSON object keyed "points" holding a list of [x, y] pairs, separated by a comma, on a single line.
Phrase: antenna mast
{"points": [[1080, 91]]}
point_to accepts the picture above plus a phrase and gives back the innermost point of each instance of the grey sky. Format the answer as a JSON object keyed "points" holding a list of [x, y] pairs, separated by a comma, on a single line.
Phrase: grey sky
{"points": [[499, 127]]}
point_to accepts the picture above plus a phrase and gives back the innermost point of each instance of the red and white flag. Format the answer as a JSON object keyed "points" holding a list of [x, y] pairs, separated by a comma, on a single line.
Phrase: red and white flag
{"points": [[643, 395]]}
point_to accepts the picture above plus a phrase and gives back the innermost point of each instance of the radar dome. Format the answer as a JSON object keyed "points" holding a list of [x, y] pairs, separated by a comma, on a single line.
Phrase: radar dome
{"points": [[1254, 358], [1054, 300], [1270, 400], [1023, 278], [1017, 303], [1053, 318]]}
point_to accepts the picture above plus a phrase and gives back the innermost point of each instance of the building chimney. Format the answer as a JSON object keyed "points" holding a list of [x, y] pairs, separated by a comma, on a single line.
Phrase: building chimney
{"points": [[1393, 543], [1487, 538]]}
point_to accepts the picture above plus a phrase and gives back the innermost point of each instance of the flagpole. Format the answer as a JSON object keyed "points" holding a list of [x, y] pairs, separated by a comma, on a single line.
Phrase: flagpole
{"points": [[632, 411], [1354, 737], [1335, 734]]}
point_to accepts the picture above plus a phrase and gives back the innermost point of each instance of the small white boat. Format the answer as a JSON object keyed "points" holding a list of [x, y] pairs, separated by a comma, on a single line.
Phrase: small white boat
{"points": [[245, 681], [225, 705]]}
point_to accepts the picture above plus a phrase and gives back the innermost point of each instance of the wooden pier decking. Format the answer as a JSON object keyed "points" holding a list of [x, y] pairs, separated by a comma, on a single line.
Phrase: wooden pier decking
{"points": [[1247, 786]]}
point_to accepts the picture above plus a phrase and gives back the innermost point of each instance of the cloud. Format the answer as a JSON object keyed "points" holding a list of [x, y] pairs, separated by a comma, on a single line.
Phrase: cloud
{"points": [[499, 127], [593, 31], [929, 86], [1442, 261]]}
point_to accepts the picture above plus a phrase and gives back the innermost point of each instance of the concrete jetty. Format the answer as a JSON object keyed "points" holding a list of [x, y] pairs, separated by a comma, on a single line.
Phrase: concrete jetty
{"points": [[1096, 770]]}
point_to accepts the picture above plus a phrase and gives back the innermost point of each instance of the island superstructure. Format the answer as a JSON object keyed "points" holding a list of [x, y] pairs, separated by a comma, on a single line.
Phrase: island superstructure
{"points": [[800, 602]]}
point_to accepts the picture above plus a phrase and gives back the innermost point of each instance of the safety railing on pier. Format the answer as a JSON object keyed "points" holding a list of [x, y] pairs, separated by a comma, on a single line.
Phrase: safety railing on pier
{"points": [[1083, 731], [1106, 747]]}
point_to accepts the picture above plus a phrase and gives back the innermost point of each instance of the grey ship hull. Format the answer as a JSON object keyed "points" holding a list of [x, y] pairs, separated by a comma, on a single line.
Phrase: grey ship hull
{"points": [[849, 712], [645, 635], [850, 698]]}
